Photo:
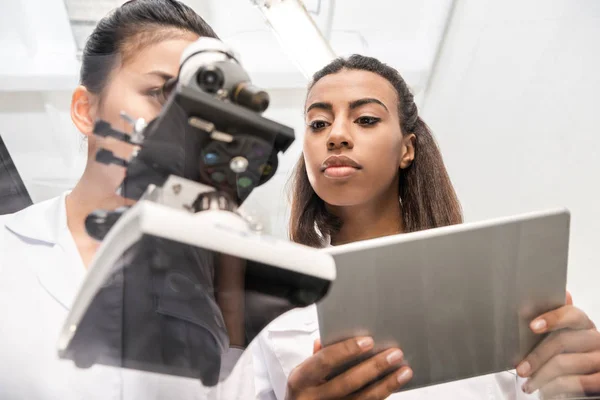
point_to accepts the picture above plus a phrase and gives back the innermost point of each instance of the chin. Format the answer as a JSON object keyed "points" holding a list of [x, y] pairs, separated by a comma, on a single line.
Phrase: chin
{"points": [[343, 197]]}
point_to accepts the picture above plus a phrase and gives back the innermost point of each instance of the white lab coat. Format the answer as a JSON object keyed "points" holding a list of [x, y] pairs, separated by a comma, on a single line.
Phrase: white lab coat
{"points": [[288, 341], [40, 272]]}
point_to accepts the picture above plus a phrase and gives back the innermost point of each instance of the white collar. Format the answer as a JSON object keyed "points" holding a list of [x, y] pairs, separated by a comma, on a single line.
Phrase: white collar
{"points": [[44, 222]]}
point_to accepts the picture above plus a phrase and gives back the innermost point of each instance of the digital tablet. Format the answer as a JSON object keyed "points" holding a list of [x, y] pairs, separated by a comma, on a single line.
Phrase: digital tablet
{"points": [[457, 300]]}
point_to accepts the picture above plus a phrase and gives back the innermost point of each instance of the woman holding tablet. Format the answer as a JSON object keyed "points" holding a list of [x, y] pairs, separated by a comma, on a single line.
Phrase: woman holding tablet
{"points": [[371, 168]]}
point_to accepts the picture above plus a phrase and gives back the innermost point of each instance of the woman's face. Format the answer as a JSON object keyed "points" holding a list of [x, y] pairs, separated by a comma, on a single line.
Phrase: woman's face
{"points": [[135, 85], [353, 145], [133, 88]]}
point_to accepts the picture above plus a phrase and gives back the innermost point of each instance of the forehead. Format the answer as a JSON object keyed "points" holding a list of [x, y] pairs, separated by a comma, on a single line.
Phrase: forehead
{"points": [[162, 55], [348, 85]]}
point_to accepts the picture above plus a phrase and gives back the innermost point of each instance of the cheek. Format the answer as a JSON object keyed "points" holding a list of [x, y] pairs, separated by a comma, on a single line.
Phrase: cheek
{"points": [[312, 158], [386, 165], [133, 104], [389, 145], [130, 101], [380, 151], [386, 158]]}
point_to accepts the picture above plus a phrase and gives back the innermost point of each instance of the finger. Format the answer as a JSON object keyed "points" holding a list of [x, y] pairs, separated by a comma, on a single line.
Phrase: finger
{"points": [[315, 370], [316, 345], [386, 387], [563, 365], [556, 343], [561, 318], [362, 374], [569, 300], [572, 385]]}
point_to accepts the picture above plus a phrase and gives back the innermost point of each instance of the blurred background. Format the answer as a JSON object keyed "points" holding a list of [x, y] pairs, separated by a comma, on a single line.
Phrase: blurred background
{"points": [[509, 87]]}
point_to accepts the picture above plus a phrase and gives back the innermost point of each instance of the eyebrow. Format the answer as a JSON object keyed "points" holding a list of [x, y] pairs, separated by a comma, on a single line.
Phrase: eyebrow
{"points": [[369, 100], [320, 105], [353, 104], [161, 74]]}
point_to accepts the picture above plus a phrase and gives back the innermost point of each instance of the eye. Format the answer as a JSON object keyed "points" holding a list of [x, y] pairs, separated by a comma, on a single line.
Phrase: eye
{"points": [[367, 121], [318, 125], [156, 94]]}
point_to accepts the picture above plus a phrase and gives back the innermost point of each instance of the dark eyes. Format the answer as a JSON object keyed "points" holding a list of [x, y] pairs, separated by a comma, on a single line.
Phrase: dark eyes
{"points": [[365, 121], [318, 125], [158, 95], [162, 93], [154, 93]]}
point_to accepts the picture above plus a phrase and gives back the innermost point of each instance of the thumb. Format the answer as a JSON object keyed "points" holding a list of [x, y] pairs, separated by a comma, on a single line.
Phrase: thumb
{"points": [[316, 346], [569, 300]]}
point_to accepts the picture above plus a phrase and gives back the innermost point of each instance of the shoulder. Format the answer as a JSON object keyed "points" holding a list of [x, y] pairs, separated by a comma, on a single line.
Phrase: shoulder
{"points": [[38, 224], [4, 232], [3, 219], [297, 321], [10, 245]]}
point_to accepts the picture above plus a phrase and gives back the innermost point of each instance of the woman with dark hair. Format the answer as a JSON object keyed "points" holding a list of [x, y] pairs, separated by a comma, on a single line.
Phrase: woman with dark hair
{"points": [[405, 187], [371, 168], [45, 249]]}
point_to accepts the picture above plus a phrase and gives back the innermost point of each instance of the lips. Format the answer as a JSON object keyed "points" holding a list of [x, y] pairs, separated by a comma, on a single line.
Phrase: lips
{"points": [[339, 167]]}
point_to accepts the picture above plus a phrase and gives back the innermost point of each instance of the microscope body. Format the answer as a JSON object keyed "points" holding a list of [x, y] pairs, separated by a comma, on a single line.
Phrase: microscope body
{"points": [[150, 301], [182, 276]]}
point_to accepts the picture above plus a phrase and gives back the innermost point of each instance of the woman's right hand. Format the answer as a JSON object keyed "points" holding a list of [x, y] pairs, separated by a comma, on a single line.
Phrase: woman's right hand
{"points": [[308, 380]]}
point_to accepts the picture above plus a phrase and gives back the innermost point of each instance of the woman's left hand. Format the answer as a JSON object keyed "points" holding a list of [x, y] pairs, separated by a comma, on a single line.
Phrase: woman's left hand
{"points": [[567, 361]]}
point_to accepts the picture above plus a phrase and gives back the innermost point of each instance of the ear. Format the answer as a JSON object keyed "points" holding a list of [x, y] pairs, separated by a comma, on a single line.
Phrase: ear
{"points": [[83, 110], [408, 150]]}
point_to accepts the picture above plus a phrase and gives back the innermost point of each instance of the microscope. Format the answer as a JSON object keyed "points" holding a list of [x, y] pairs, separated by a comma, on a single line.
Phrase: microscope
{"points": [[183, 275]]}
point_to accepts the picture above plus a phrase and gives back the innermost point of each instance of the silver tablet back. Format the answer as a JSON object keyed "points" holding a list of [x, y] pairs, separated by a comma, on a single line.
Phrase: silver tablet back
{"points": [[457, 300]]}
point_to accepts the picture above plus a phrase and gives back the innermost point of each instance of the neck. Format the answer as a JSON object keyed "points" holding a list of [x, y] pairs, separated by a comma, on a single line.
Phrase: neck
{"points": [[89, 195], [381, 217]]}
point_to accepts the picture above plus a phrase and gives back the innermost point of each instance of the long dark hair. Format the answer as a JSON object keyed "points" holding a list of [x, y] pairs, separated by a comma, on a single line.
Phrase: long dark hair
{"points": [[427, 195], [135, 24]]}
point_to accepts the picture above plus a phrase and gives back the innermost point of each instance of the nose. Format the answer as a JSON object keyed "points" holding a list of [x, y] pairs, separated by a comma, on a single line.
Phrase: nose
{"points": [[339, 138]]}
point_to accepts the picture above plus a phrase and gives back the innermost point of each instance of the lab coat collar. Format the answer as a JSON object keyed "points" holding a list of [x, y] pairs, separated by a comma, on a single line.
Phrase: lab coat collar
{"points": [[301, 319], [45, 223], [42, 221]]}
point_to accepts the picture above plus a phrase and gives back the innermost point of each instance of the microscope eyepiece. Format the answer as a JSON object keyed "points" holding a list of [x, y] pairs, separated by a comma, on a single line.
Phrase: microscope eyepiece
{"points": [[210, 79]]}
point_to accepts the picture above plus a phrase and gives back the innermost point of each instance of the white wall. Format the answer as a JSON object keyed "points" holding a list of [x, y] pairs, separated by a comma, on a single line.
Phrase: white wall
{"points": [[514, 104], [47, 149]]}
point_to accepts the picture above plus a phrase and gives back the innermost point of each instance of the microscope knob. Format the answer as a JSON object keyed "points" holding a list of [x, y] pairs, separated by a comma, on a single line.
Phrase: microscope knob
{"points": [[107, 157], [99, 222], [103, 129]]}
